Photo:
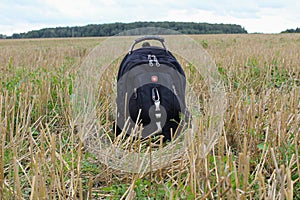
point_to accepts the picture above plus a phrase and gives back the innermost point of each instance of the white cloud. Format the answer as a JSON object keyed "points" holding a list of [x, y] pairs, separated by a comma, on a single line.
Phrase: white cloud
{"points": [[256, 16]]}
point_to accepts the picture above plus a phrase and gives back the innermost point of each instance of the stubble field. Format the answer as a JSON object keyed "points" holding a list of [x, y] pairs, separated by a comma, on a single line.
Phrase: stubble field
{"points": [[257, 155]]}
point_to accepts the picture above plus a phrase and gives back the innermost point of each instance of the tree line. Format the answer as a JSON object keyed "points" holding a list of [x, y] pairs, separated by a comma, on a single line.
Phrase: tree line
{"points": [[111, 29], [297, 30]]}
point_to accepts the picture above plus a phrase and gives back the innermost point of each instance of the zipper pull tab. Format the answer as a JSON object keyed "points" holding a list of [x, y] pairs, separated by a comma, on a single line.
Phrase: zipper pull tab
{"points": [[156, 61], [134, 93], [155, 95], [174, 90], [150, 60]]}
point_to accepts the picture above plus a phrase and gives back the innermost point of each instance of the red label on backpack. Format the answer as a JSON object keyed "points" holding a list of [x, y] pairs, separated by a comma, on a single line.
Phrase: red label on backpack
{"points": [[154, 79]]}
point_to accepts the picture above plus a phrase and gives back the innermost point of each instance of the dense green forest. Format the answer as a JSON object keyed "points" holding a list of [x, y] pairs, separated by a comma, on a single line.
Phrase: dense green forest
{"points": [[297, 30], [115, 28]]}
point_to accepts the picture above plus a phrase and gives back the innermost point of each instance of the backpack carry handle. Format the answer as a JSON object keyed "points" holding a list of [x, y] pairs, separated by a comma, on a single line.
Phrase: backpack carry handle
{"points": [[148, 37]]}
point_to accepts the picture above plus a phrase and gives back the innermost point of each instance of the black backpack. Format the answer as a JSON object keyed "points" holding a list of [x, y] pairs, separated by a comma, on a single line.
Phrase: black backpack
{"points": [[151, 91]]}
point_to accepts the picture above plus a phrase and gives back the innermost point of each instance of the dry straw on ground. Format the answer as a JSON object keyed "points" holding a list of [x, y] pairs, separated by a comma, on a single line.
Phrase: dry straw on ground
{"points": [[256, 157]]}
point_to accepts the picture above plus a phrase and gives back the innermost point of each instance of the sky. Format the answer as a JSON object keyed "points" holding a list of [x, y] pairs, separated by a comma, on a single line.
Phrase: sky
{"points": [[263, 16]]}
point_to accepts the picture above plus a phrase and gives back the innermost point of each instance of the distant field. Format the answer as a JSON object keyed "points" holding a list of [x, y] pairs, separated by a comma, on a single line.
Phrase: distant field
{"points": [[256, 157]]}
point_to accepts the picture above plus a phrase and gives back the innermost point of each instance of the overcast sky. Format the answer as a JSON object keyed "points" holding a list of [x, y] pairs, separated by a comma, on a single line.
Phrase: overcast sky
{"points": [[267, 16]]}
